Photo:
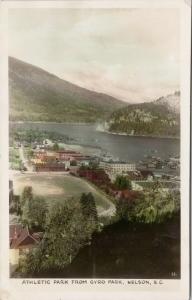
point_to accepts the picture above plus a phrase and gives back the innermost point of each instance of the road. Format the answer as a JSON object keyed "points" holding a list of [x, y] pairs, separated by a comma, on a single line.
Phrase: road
{"points": [[24, 160]]}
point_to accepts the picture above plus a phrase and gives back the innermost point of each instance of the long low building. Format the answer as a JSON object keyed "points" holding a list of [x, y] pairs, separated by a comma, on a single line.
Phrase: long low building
{"points": [[50, 167], [64, 155], [117, 168]]}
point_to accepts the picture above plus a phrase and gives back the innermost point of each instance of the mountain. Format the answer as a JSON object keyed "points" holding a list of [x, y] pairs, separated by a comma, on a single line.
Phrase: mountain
{"points": [[159, 118], [172, 102], [36, 95]]}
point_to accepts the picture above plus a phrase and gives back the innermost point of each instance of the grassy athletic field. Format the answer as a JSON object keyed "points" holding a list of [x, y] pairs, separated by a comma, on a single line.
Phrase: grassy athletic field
{"points": [[59, 187]]}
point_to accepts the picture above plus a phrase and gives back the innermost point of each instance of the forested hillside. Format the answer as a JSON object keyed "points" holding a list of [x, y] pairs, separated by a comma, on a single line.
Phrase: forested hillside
{"points": [[154, 118], [36, 95]]}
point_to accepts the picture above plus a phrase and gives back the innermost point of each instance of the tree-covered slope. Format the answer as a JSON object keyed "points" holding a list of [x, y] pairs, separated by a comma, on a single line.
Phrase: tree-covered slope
{"points": [[36, 95], [154, 118]]}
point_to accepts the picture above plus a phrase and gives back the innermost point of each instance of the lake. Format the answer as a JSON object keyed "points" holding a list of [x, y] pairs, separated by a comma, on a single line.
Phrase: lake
{"points": [[128, 148]]}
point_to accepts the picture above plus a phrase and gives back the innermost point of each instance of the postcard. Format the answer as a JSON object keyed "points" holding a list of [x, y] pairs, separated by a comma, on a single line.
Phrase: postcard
{"points": [[95, 150]]}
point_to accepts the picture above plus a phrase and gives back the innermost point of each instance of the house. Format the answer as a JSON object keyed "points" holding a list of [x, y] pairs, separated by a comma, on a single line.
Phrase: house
{"points": [[21, 240]]}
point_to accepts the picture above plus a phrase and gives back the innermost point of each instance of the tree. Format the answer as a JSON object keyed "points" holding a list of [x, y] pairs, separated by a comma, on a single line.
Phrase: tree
{"points": [[88, 206], [73, 163], [15, 206], [26, 200], [156, 206], [125, 205], [56, 147], [27, 195], [66, 232], [38, 214], [30, 153], [34, 210], [122, 183], [151, 206], [122, 209]]}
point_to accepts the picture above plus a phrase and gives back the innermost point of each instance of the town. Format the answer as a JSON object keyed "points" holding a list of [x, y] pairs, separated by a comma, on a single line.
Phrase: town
{"points": [[114, 184]]}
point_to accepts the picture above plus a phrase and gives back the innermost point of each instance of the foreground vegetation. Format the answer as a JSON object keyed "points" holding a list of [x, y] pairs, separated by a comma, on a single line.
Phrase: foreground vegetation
{"points": [[66, 229], [69, 226], [15, 162], [149, 207]]}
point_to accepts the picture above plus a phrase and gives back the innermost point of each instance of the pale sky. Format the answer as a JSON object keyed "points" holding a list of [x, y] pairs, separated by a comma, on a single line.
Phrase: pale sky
{"points": [[132, 54]]}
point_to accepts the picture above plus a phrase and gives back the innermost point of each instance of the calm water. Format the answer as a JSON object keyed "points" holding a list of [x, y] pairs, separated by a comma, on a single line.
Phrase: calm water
{"points": [[123, 147]]}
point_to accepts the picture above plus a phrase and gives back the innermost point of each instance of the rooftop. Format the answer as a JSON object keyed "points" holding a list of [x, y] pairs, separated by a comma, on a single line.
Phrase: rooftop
{"points": [[21, 237]]}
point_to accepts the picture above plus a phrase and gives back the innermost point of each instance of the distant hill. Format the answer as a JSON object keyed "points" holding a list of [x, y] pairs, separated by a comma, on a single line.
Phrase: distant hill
{"points": [[172, 102], [36, 95], [159, 118]]}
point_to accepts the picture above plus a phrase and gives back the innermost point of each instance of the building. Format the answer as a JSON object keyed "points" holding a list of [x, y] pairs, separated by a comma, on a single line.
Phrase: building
{"points": [[117, 168], [83, 161], [62, 155], [52, 167], [21, 240], [68, 154]]}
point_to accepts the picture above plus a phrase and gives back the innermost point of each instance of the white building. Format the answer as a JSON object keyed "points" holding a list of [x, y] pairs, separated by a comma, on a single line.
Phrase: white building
{"points": [[116, 168]]}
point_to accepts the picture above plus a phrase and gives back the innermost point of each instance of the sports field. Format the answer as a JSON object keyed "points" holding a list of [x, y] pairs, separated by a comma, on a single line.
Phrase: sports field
{"points": [[60, 187]]}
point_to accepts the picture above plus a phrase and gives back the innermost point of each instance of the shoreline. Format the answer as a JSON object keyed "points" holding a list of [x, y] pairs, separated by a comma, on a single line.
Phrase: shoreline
{"points": [[51, 122], [139, 135], [98, 130]]}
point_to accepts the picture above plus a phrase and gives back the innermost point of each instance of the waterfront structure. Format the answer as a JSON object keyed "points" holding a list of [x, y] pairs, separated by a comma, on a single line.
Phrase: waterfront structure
{"points": [[116, 168]]}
